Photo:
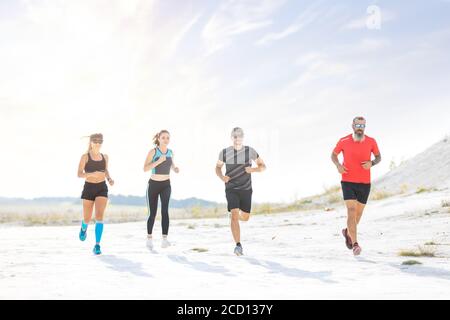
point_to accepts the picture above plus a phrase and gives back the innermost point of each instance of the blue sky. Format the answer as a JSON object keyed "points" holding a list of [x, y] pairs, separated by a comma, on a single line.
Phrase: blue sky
{"points": [[291, 73]]}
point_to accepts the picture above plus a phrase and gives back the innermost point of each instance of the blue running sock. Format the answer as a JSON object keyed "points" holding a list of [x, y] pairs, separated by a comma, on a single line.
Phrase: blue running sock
{"points": [[98, 231]]}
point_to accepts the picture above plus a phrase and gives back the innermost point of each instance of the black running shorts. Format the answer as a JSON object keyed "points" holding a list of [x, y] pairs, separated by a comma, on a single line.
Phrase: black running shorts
{"points": [[356, 191], [94, 190], [239, 199]]}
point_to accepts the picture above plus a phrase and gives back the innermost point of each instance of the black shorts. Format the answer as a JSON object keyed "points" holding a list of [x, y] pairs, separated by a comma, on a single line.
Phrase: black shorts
{"points": [[94, 190], [356, 191], [239, 199]]}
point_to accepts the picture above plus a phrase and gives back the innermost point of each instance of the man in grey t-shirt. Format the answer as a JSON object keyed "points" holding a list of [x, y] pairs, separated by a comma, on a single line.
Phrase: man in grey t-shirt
{"points": [[238, 181]]}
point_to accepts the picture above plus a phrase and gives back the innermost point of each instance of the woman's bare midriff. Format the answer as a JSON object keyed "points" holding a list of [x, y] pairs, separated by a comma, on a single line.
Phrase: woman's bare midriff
{"points": [[160, 177], [101, 177]]}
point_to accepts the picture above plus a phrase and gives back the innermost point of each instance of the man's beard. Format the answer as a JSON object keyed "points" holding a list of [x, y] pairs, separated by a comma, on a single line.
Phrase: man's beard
{"points": [[359, 135]]}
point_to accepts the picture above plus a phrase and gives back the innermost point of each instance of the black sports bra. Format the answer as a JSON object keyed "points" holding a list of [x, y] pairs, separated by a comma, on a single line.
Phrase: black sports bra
{"points": [[92, 165]]}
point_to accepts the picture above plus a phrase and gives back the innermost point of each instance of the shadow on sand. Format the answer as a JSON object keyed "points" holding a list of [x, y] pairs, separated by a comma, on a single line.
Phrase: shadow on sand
{"points": [[200, 266], [275, 267], [422, 271], [124, 265], [363, 259]]}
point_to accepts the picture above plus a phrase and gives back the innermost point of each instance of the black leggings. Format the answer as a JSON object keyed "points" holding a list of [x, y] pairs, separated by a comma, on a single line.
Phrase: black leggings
{"points": [[163, 189]]}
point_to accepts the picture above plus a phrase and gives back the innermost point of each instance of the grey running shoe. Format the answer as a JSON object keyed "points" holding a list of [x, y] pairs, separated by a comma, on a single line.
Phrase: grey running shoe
{"points": [[238, 251]]}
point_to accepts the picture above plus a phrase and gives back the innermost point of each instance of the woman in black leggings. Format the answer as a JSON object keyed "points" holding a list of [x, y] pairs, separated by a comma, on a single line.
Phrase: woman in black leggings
{"points": [[160, 161]]}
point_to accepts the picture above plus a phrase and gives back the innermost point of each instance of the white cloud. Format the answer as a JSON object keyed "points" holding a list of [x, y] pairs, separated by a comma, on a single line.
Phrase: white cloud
{"points": [[235, 17], [309, 58], [184, 30], [317, 65], [370, 44], [274, 36], [308, 16]]}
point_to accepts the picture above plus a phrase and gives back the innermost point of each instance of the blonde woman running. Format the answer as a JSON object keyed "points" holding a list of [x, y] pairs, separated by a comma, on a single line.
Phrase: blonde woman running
{"points": [[93, 168]]}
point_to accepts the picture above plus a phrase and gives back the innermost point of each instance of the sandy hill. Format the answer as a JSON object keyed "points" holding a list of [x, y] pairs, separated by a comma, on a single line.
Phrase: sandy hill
{"points": [[429, 169]]}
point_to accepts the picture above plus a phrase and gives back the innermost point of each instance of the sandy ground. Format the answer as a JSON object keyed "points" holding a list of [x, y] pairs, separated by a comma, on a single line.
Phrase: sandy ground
{"points": [[287, 256]]}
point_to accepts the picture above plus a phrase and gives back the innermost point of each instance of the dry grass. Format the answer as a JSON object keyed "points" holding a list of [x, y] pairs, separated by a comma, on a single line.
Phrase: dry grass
{"points": [[72, 214], [332, 195], [32, 219], [404, 188], [421, 251], [425, 189], [267, 207], [381, 194], [217, 225], [445, 203], [198, 212], [332, 189], [333, 198]]}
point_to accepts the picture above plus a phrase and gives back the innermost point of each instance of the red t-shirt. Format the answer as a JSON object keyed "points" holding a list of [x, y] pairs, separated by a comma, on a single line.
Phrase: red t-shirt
{"points": [[355, 153]]}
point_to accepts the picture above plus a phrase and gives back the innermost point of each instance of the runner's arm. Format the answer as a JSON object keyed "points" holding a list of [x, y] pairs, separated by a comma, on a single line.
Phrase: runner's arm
{"points": [[81, 173], [377, 160], [335, 159], [108, 177], [261, 166], [219, 166], [173, 166], [149, 165], [219, 173], [341, 169]]}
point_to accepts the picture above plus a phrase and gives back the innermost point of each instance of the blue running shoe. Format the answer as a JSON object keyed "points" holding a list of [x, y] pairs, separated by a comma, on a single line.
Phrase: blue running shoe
{"points": [[83, 234], [97, 250]]}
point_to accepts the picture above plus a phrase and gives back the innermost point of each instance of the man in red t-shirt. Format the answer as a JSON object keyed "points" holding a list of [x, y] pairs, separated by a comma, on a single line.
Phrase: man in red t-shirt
{"points": [[357, 149]]}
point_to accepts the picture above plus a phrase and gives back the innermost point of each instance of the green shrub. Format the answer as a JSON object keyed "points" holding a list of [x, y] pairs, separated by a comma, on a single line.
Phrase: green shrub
{"points": [[410, 262]]}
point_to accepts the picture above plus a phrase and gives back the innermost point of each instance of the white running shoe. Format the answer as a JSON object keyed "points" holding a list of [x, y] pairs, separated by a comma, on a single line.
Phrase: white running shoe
{"points": [[150, 244], [165, 243]]}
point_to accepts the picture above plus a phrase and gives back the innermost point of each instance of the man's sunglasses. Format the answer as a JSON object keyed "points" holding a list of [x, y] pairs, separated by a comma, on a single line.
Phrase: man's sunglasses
{"points": [[360, 126], [97, 141]]}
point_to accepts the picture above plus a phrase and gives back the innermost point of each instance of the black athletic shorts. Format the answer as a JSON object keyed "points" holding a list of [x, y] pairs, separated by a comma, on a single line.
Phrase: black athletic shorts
{"points": [[94, 190], [356, 191], [239, 199]]}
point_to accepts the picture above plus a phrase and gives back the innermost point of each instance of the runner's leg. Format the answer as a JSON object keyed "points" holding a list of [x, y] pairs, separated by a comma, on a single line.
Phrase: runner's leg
{"points": [[235, 228], [352, 219]]}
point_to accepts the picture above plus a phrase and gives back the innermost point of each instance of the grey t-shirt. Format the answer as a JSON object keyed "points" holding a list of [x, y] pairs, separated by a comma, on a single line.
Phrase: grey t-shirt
{"points": [[235, 163]]}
